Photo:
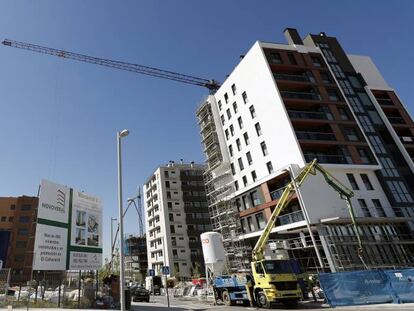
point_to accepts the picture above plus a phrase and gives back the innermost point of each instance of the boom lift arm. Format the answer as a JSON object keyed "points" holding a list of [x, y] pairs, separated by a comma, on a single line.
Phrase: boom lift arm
{"points": [[310, 169], [212, 85]]}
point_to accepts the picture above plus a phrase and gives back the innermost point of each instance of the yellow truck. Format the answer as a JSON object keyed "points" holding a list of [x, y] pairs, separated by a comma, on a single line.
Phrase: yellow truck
{"points": [[273, 280]]}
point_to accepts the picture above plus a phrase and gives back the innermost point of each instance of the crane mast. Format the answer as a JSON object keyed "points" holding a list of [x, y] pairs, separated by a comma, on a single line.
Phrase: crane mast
{"points": [[211, 84]]}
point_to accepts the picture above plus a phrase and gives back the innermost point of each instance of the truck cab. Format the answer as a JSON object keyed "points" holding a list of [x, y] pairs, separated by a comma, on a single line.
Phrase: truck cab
{"points": [[274, 281]]}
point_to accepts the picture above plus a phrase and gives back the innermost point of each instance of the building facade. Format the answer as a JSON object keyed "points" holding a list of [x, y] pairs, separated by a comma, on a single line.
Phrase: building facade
{"points": [[176, 213], [17, 229], [286, 104], [136, 261]]}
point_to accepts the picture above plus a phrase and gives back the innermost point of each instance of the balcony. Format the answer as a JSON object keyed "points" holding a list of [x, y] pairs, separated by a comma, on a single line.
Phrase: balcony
{"points": [[327, 158], [291, 77], [407, 139], [291, 218], [300, 95], [385, 101], [276, 194], [396, 120], [315, 115], [315, 136]]}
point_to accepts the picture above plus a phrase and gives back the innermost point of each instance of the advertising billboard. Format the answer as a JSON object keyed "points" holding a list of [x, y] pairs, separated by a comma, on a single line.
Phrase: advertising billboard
{"points": [[68, 231]]}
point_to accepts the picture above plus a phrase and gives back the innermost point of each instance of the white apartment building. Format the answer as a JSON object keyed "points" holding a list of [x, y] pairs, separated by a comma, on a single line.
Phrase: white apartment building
{"points": [[176, 214], [286, 104]]}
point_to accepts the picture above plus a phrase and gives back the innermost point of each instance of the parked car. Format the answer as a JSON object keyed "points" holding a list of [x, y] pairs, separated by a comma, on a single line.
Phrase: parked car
{"points": [[141, 294]]}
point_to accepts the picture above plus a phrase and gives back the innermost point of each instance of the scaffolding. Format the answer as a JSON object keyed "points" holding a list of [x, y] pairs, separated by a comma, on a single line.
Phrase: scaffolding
{"points": [[219, 190]]}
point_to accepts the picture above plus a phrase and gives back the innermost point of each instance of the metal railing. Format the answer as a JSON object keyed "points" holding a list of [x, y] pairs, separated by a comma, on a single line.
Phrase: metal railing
{"points": [[315, 135], [291, 218], [276, 194], [396, 120], [300, 95], [327, 158], [307, 115], [291, 77], [385, 101]]}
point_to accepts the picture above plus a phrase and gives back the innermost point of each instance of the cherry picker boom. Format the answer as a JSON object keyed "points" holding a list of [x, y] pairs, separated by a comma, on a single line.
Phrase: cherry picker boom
{"points": [[211, 84], [273, 280]]}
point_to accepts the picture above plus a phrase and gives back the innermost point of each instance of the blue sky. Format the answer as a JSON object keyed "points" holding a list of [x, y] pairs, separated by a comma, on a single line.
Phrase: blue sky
{"points": [[58, 118]]}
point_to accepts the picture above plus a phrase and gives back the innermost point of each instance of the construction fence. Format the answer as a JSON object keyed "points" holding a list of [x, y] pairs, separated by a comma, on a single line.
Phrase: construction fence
{"points": [[368, 287], [68, 289]]}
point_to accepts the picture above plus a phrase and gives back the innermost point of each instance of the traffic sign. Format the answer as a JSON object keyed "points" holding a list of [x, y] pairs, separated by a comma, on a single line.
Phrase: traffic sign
{"points": [[151, 272], [166, 270]]}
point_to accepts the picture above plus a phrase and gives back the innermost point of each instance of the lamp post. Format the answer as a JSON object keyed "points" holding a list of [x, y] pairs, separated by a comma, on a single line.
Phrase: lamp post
{"points": [[119, 136], [112, 237]]}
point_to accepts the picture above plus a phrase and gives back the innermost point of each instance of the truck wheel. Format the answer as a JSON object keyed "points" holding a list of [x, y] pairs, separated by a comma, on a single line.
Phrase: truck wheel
{"points": [[226, 298], [262, 300]]}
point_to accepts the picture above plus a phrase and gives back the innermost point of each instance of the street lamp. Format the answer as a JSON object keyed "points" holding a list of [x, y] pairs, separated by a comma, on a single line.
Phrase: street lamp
{"points": [[112, 237], [120, 135]]}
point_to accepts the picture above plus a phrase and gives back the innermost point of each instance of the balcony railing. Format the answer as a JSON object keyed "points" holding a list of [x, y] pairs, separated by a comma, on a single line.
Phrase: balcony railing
{"points": [[276, 194], [385, 101], [291, 218], [396, 120], [300, 95], [316, 115], [315, 135], [284, 76], [407, 139], [327, 158]]}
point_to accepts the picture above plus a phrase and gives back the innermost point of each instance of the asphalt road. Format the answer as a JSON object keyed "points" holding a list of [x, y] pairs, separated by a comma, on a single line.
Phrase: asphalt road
{"points": [[159, 303]]}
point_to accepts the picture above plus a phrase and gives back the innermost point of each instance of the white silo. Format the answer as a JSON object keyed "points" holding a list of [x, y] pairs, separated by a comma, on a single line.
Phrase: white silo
{"points": [[213, 252]]}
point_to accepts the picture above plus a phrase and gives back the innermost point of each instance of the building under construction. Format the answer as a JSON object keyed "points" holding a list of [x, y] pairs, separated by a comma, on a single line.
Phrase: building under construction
{"points": [[136, 261], [285, 105]]}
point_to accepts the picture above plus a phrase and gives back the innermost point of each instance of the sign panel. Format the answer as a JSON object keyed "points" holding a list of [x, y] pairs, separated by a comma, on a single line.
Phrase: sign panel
{"points": [[151, 272], [166, 270], [68, 231]]}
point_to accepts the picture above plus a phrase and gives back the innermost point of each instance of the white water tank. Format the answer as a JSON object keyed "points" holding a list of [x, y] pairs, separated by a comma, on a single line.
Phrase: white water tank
{"points": [[213, 251]]}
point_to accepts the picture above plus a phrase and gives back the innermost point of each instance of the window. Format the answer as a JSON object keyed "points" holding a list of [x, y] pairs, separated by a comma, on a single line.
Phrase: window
{"points": [[365, 99], [337, 71], [259, 268], [292, 59], [24, 219], [344, 114], [399, 192], [22, 231], [19, 258], [240, 207], [258, 129], [236, 185], [244, 180], [378, 208], [275, 58], [355, 104], [264, 148], [326, 77], [238, 144], [377, 144], [223, 121], [252, 111], [261, 223], [352, 181], [254, 197], [235, 107], [167, 184], [240, 121], [231, 150], [11, 218], [366, 182], [250, 224], [246, 138], [366, 124], [389, 169], [364, 208], [169, 205], [13, 207], [249, 158], [21, 244], [376, 119], [241, 166], [351, 134], [233, 89], [26, 207], [316, 61], [172, 229], [333, 95], [254, 176], [269, 167], [231, 130], [228, 114], [233, 170], [245, 99], [364, 156], [355, 82], [171, 217], [226, 98], [219, 105], [346, 87], [3, 218], [227, 134]]}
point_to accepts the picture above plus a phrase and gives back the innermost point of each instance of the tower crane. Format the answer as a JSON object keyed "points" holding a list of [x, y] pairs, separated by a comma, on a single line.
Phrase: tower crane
{"points": [[210, 84]]}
